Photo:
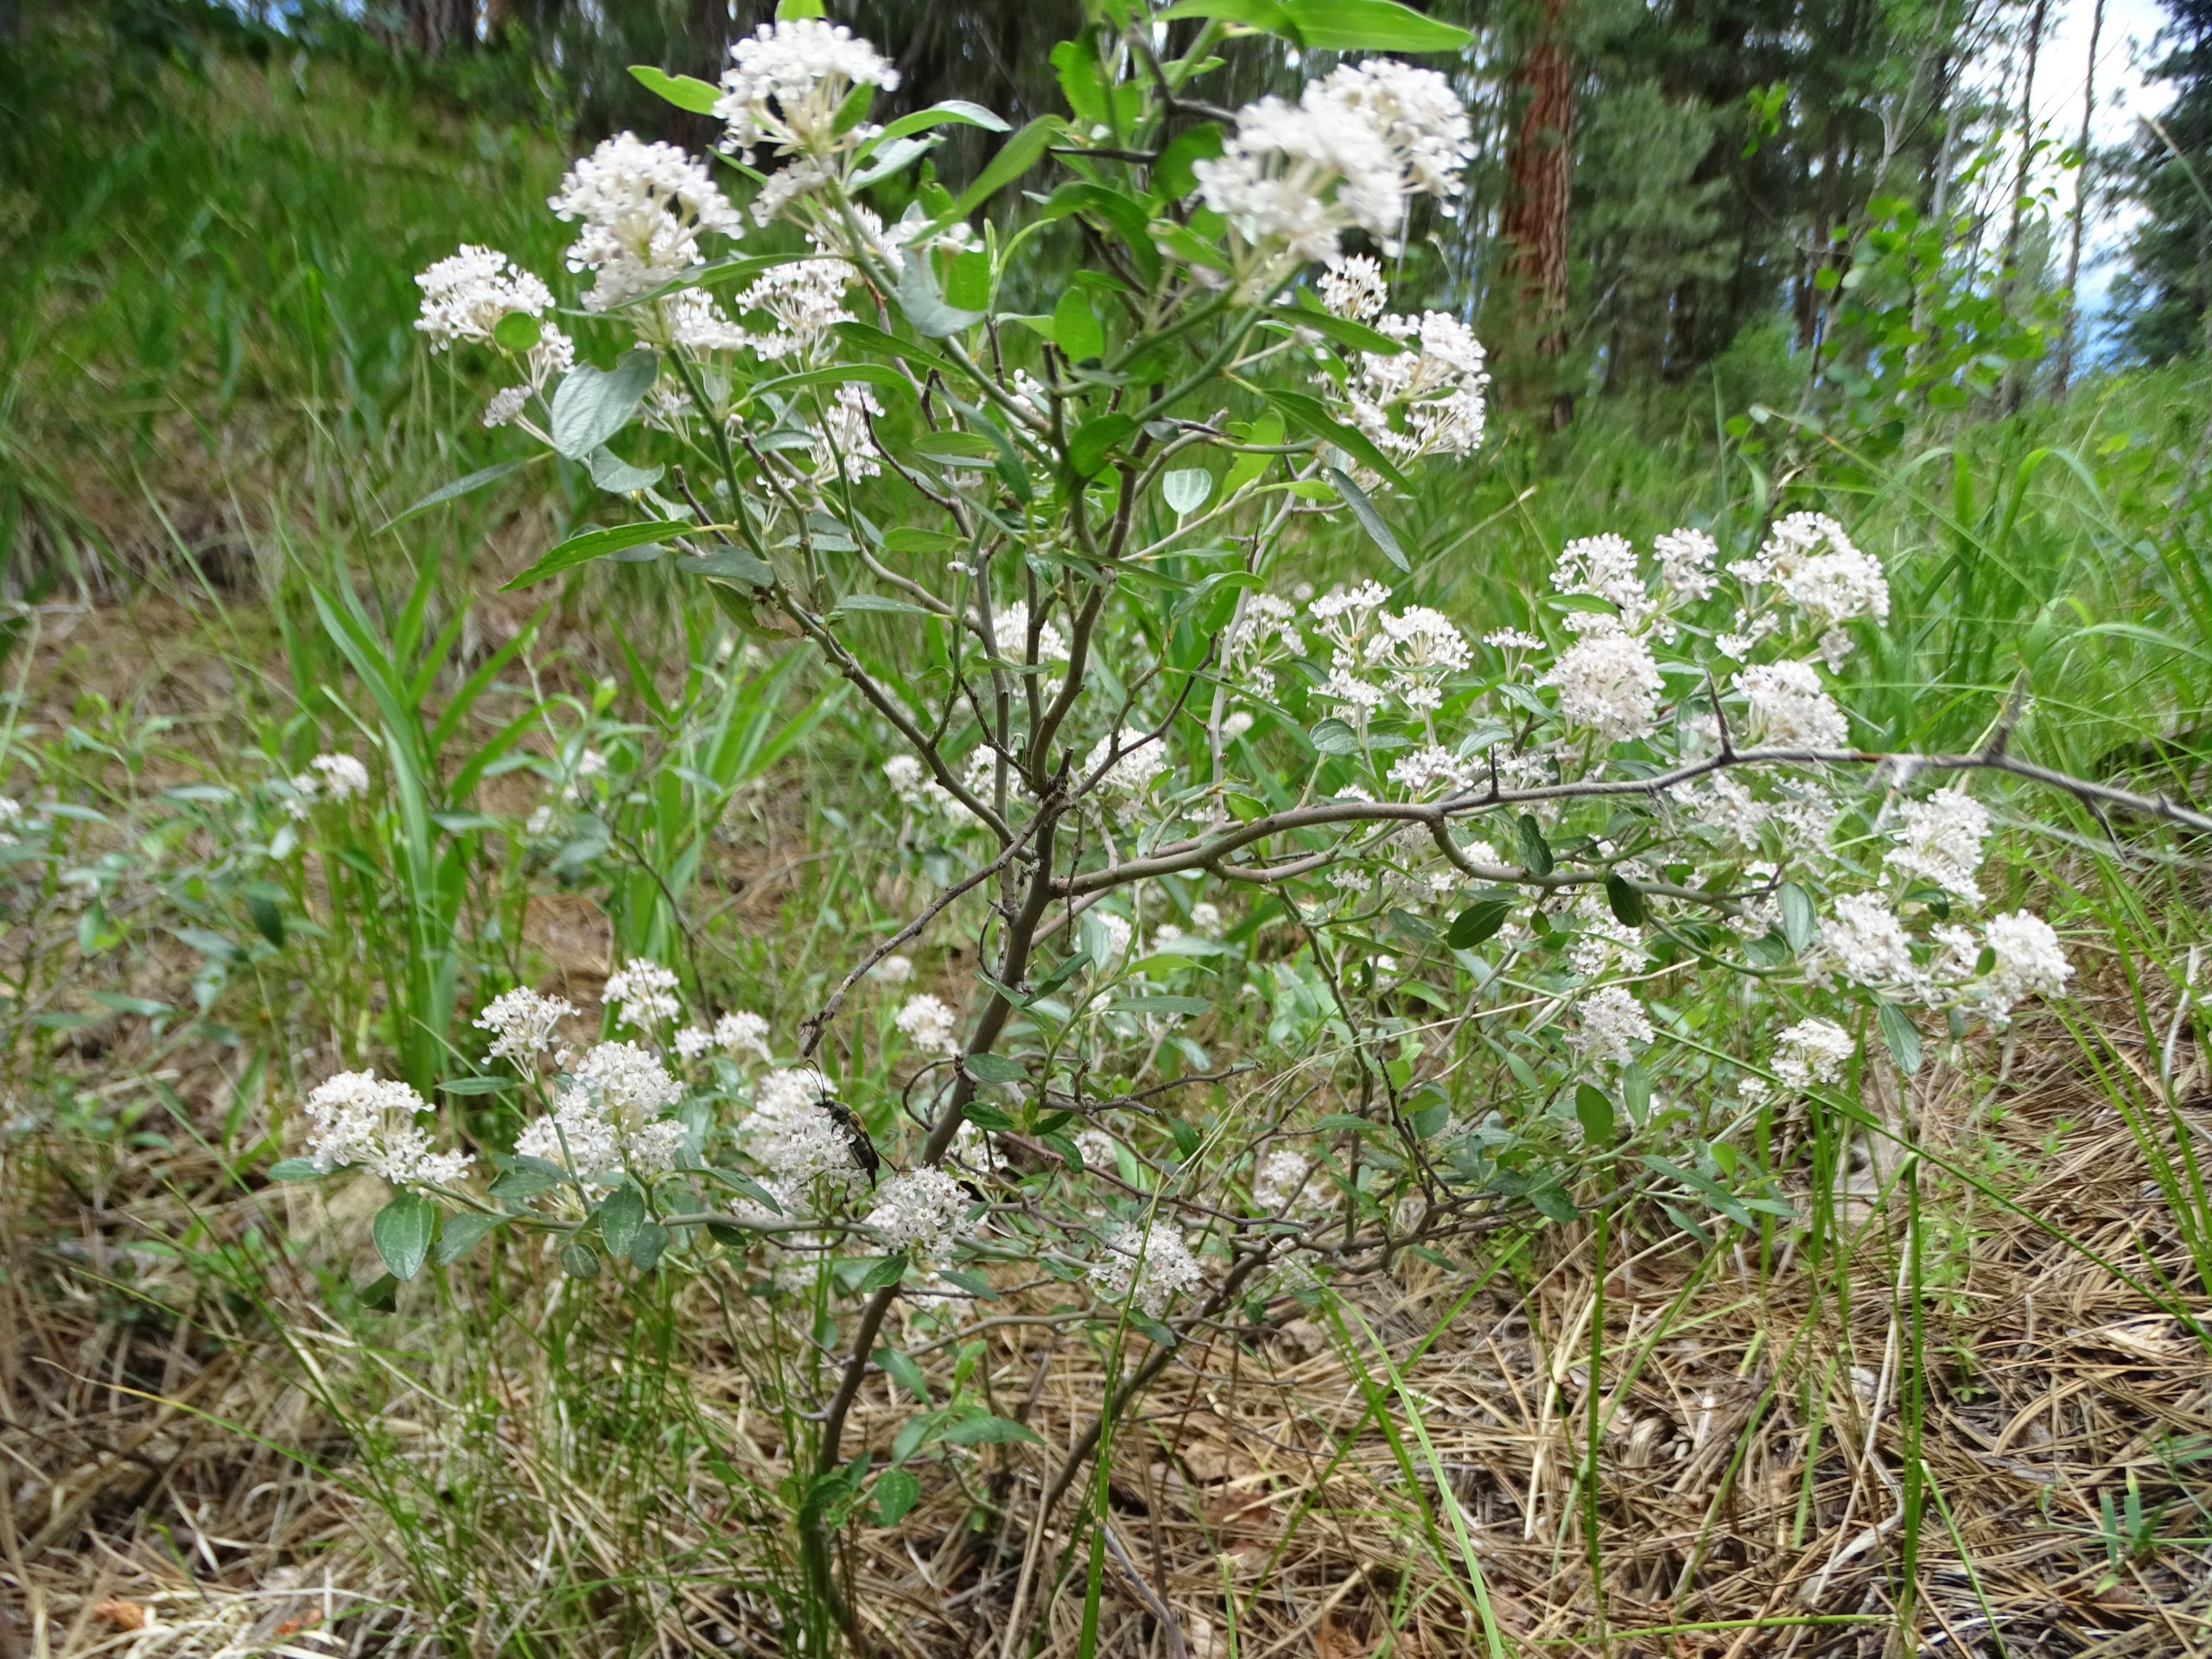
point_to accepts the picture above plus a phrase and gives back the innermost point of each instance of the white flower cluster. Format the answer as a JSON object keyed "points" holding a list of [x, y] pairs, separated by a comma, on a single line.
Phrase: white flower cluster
{"points": [[927, 1023], [1010, 636], [1610, 1025], [1130, 761], [1149, 1265], [787, 82], [642, 993], [329, 779], [1610, 682], [1790, 708], [1281, 1176], [359, 1119], [608, 1112], [922, 1211], [1812, 1052], [1356, 145], [523, 1023], [1434, 389], [465, 296], [2028, 962], [791, 1134], [1942, 841], [1378, 655], [1815, 563], [641, 207]]}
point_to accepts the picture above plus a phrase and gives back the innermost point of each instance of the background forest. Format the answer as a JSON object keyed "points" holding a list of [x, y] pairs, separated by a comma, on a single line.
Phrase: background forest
{"points": [[1730, 259]]}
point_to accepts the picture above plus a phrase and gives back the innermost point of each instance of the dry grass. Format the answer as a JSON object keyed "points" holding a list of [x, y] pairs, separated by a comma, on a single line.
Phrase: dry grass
{"points": [[203, 1461]]}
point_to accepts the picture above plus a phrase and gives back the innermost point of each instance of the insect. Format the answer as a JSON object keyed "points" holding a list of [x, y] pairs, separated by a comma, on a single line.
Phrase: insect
{"points": [[855, 1134]]}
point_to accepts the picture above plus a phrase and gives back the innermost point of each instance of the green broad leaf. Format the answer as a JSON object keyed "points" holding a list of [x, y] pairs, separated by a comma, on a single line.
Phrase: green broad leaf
{"points": [[892, 158], [685, 92], [1185, 490], [591, 405], [904, 539], [1016, 157], [883, 1273], [1713, 1194], [143, 1005], [1333, 736], [579, 1259], [985, 1115], [465, 1086], [955, 446], [1635, 1092], [1370, 26], [837, 374], [1252, 14], [209, 943], [901, 1369], [798, 11], [1593, 1109], [516, 332], [453, 492], [862, 604], [968, 281], [462, 1233], [1551, 1202], [729, 563], [1343, 330], [648, 1246], [528, 1177], [295, 1169], [1094, 439], [751, 1188], [983, 1429], [1172, 175], [897, 1491], [617, 476], [993, 1068], [403, 1230], [1161, 1003], [1625, 901], [1800, 925], [956, 112], [1901, 1036], [1378, 530], [620, 1216], [594, 545], [1477, 923], [867, 337], [855, 109], [1535, 851], [926, 308], [268, 917], [1311, 416], [1076, 328]]}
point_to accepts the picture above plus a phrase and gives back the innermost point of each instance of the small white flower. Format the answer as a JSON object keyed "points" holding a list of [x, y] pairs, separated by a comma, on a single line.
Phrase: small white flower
{"points": [[1610, 1025], [1150, 1265], [1942, 841], [642, 993], [740, 1032], [1609, 683], [2029, 962], [1812, 1052], [1791, 708], [788, 79], [1353, 287], [1205, 918], [357, 1119], [1281, 1175], [523, 1023], [929, 1024], [641, 207], [923, 1211], [466, 293], [1513, 640], [894, 970], [693, 1041], [1864, 940], [331, 778]]}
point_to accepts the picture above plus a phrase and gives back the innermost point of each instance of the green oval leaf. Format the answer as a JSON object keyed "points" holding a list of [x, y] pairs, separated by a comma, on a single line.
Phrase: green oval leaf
{"points": [[595, 544], [403, 1230]]}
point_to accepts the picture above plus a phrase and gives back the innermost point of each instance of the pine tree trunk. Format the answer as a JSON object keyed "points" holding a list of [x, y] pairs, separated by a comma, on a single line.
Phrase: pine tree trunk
{"points": [[1540, 179], [2009, 394], [2064, 371]]}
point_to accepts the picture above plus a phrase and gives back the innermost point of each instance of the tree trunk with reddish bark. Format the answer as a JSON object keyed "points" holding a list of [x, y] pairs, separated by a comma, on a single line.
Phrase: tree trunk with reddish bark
{"points": [[1540, 178]]}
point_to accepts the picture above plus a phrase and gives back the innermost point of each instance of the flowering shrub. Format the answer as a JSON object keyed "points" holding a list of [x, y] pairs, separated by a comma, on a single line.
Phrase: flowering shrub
{"points": [[1474, 877]]}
